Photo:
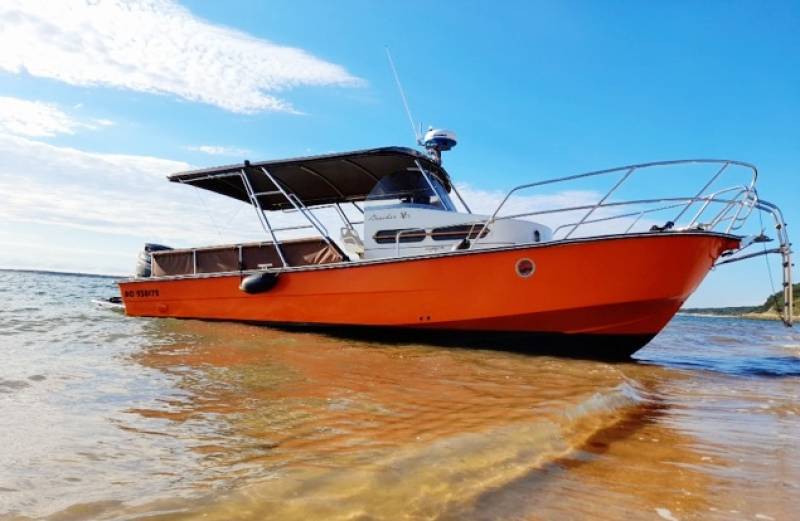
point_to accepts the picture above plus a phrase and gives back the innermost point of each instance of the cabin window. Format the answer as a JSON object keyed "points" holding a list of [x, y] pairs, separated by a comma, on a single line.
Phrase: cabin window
{"points": [[459, 232], [410, 188], [406, 235]]}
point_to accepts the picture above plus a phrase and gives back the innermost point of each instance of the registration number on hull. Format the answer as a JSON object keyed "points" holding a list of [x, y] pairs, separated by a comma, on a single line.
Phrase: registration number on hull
{"points": [[140, 293]]}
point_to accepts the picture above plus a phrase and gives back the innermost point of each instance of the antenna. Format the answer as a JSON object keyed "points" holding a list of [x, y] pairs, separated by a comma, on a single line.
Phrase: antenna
{"points": [[403, 97]]}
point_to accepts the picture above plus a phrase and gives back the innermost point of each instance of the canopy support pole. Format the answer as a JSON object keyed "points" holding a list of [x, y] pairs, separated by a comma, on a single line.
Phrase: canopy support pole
{"points": [[310, 217], [425, 175], [463, 203], [433, 188], [262, 218], [343, 217]]}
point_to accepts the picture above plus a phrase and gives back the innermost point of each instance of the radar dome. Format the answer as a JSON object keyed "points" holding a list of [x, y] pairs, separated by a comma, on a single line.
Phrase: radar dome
{"points": [[437, 140]]}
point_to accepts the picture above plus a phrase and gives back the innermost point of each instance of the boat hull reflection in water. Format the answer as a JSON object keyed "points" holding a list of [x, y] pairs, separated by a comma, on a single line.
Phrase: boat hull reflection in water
{"points": [[104, 417]]}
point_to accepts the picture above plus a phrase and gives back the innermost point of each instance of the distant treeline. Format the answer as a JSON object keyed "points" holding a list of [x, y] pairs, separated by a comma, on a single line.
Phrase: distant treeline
{"points": [[773, 302], [62, 273]]}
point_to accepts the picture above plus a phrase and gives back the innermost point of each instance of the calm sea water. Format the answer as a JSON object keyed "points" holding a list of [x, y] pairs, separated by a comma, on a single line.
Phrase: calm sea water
{"points": [[108, 417]]}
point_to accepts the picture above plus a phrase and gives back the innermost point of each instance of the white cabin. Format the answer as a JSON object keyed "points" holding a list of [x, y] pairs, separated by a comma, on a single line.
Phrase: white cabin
{"points": [[410, 213]]}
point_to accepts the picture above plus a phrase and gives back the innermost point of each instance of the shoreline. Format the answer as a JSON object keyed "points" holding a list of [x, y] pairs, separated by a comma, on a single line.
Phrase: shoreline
{"points": [[66, 273], [767, 315]]}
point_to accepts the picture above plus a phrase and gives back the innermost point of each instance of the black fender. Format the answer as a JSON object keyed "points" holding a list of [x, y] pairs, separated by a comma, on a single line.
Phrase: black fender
{"points": [[258, 282]]}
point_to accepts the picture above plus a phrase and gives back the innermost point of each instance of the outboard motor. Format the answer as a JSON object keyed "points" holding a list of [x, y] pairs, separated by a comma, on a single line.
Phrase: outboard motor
{"points": [[145, 260]]}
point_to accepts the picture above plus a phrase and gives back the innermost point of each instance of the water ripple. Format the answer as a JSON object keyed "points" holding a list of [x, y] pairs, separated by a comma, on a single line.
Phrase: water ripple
{"points": [[106, 417]]}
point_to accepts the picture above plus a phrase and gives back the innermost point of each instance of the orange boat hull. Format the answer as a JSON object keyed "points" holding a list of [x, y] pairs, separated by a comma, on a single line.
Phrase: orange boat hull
{"points": [[619, 290]]}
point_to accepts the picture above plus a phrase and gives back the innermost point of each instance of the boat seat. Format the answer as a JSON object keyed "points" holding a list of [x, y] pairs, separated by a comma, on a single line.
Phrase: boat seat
{"points": [[352, 242]]}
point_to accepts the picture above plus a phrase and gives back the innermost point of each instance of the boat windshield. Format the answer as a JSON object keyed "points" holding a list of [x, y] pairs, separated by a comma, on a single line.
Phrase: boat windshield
{"points": [[410, 188]]}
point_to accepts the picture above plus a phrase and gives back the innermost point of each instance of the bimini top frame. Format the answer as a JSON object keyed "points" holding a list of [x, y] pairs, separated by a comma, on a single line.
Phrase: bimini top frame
{"points": [[305, 183], [312, 181]]}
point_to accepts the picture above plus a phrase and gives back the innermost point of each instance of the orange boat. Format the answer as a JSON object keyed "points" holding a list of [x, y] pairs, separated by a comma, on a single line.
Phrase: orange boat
{"points": [[422, 267]]}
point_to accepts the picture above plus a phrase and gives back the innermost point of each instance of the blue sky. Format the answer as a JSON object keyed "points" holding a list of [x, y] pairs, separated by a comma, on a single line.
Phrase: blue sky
{"points": [[118, 95]]}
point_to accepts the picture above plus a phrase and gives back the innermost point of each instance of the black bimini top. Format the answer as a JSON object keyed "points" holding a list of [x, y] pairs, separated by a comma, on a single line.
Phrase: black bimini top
{"points": [[315, 180]]}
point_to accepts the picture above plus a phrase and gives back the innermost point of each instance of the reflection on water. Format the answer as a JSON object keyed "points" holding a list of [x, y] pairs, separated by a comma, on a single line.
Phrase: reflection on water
{"points": [[107, 417]]}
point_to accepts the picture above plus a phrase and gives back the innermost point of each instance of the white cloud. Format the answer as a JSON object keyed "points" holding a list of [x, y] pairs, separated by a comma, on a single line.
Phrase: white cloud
{"points": [[485, 201], [216, 150], [34, 118], [39, 119], [104, 193], [70, 206], [156, 46], [74, 203]]}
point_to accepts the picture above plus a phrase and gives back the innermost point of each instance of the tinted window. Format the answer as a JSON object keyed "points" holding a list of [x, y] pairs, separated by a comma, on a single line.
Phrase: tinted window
{"points": [[410, 187], [462, 231], [406, 235]]}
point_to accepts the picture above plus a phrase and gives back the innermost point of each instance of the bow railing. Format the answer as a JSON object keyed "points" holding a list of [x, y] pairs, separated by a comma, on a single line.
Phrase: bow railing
{"points": [[724, 210]]}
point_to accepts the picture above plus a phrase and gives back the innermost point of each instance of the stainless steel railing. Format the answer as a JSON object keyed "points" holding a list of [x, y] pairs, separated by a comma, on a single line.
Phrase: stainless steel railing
{"points": [[734, 206], [627, 172]]}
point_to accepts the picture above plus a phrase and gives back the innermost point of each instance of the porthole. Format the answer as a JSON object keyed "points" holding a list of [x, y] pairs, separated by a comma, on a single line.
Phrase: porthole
{"points": [[525, 268], [537, 236]]}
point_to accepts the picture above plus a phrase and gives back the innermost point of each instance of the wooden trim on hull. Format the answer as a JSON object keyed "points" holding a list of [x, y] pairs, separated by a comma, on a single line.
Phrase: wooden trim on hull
{"points": [[627, 285]]}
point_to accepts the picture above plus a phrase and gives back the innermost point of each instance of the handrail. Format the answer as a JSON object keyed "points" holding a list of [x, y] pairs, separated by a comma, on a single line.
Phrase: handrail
{"points": [[709, 183], [287, 228], [638, 215], [601, 201], [736, 204], [613, 204], [786, 257], [677, 202], [629, 171], [705, 205], [408, 231]]}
